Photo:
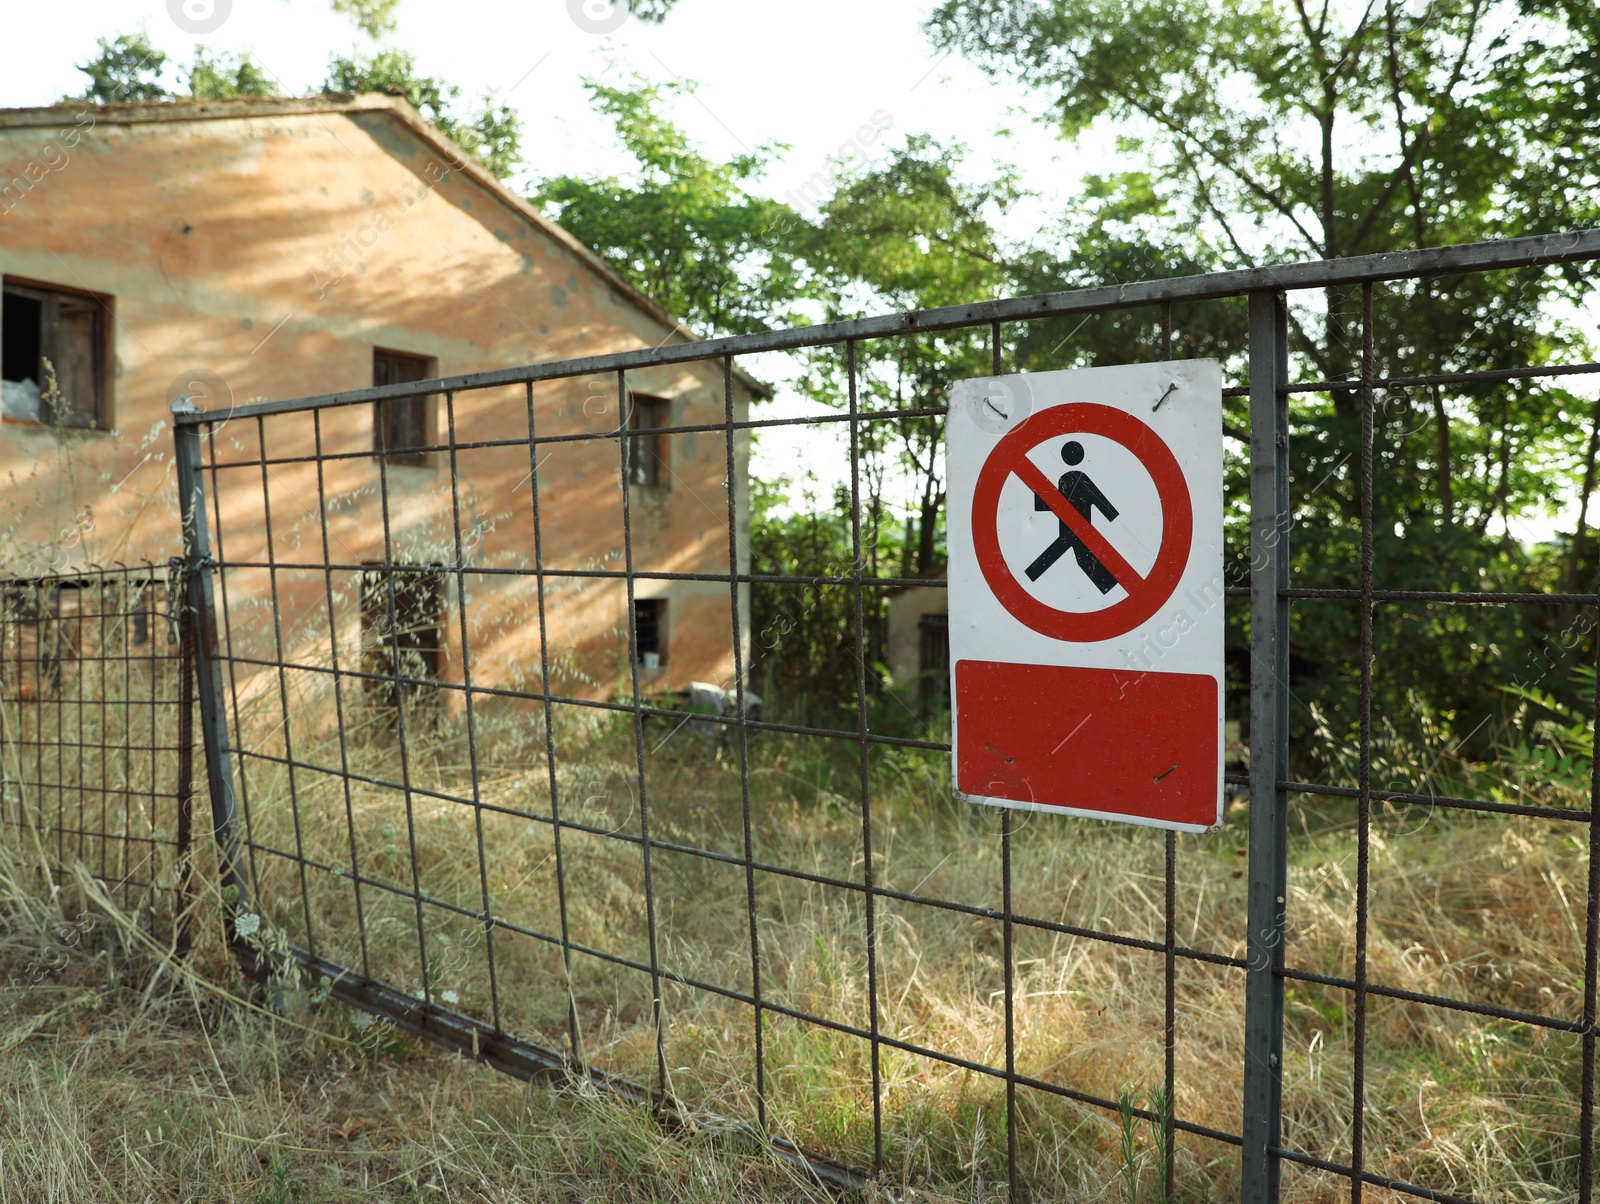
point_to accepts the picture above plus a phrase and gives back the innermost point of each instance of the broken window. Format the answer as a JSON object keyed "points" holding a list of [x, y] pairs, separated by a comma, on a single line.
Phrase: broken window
{"points": [[647, 451], [403, 426], [402, 630], [650, 631], [65, 331]]}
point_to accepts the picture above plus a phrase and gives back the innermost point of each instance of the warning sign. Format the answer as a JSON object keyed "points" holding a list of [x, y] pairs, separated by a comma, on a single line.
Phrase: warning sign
{"points": [[1086, 592]]}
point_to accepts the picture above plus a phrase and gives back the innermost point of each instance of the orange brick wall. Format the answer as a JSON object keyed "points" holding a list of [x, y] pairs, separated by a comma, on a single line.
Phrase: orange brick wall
{"points": [[276, 252]]}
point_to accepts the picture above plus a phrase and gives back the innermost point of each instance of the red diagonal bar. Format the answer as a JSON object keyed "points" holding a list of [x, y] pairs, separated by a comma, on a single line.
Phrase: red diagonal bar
{"points": [[1028, 473]]}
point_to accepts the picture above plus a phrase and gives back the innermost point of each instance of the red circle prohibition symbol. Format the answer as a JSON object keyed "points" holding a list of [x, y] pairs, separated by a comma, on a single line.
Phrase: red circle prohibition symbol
{"points": [[1147, 593]]}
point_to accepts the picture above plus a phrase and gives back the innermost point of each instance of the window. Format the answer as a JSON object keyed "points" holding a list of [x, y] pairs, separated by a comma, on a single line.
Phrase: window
{"points": [[647, 452], [69, 331], [650, 631], [139, 625], [402, 427], [403, 634], [933, 654], [43, 630]]}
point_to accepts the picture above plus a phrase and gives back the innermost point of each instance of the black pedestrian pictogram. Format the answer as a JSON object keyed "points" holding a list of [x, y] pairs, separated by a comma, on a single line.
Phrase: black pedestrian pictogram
{"points": [[1083, 495]]}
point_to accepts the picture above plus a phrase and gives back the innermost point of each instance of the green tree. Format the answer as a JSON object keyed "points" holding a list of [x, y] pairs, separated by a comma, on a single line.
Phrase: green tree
{"points": [[1274, 130], [373, 17], [491, 133], [910, 234], [683, 227], [127, 70], [214, 77]]}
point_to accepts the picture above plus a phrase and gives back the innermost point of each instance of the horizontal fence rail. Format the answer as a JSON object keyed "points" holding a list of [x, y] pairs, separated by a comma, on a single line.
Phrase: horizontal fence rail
{"points": [[507, 742], [1545, 250]]}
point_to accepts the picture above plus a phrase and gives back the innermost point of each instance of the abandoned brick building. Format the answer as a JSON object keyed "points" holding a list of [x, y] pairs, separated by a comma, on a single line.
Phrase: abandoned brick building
{"points": [[234, 251]]}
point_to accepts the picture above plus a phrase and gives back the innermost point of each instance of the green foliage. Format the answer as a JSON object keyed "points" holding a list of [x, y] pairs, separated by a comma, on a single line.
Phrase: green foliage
{"points": [[226, 75], [374, 17], [129, 70], [1271, 131], [126, 71], [1557, 749], [653, 11], [681, 226], [801, 636], [491, 133], [910, 234]]}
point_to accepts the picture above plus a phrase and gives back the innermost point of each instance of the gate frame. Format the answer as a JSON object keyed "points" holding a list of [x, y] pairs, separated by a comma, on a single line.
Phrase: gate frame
{"points": [[1270, 596]]}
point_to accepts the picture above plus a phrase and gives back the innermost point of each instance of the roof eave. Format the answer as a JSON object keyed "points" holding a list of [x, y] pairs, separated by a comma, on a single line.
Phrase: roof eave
{"points": [[237, 108]]}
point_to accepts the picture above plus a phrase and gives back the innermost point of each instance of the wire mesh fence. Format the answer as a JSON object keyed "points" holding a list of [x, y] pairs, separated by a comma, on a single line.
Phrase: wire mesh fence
{"points": [[96, 732], [487, 755]]}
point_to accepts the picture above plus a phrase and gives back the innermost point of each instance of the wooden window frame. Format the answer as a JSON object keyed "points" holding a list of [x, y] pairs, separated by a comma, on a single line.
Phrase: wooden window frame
{"points": [[427, 368], [649, 465], [100, 306], [657, 625]]}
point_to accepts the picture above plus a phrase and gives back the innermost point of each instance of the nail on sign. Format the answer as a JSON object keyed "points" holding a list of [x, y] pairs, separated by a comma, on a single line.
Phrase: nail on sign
{"points": [[1086, 591]]}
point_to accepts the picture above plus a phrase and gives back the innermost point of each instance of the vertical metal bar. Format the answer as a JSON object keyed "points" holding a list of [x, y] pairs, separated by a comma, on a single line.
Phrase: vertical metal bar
{"points": [[200, 610], [1269, 746], [154, 708], [1007, 928], [734, 569], [54, 674], [1169, 969], [863, 750], [1591, 970], [399, 699], [48, 678], [233, 670], [79, 676], [103, 655], [472, 730], [127, 727], [625, 449], [338, 692], [59, 693], [175, 621], [573, 1035], [283, 688], [186, 667], [1358, 1085]]}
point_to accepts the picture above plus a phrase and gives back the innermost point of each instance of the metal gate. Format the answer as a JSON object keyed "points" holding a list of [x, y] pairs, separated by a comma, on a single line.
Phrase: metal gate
{"points": [[97, 734], [458, 823]]}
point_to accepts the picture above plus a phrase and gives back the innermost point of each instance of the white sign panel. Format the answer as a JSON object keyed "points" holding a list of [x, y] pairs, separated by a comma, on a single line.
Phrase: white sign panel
{"points": [[1086, 591]]}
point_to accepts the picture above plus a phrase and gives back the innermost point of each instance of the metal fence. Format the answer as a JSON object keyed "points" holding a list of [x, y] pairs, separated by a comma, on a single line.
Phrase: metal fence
{"points": [[443, 772], [96, 732]]}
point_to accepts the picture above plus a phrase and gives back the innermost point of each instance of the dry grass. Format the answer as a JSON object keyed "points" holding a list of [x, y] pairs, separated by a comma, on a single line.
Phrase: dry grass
{"points": [[126, 1077], [129, 1076]]}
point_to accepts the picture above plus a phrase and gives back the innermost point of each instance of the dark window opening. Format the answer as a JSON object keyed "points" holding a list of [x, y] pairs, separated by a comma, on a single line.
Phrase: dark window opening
{"points": [[402, 631], [403, 426], [933, 639], [66, 332], [647, 446], [139, 626], [650, 631], [40, 642]]}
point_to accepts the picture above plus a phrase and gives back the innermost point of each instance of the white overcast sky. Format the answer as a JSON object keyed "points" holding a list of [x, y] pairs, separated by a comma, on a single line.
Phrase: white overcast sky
{"points": [[808, 74]]}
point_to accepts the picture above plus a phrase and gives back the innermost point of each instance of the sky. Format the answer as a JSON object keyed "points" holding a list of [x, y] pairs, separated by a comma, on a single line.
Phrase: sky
{"points": [[811, 75]]}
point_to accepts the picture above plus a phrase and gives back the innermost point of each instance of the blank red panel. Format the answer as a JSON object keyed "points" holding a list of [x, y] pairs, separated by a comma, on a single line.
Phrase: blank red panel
{"points": [[1108, 740]]}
